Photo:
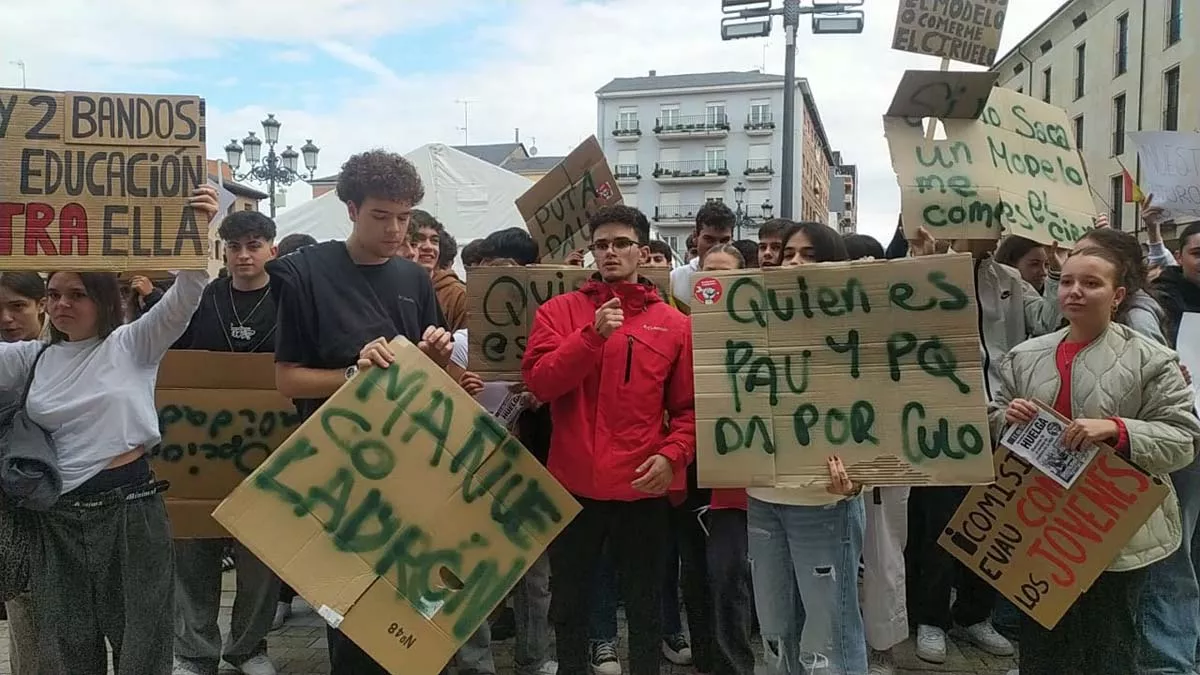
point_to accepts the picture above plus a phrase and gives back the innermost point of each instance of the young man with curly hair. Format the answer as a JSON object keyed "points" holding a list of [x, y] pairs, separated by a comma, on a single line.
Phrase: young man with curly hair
{"points": [[613, 361], [341, 303]]}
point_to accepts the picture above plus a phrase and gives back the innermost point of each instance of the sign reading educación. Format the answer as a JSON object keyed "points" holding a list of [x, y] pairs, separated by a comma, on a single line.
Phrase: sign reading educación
{"points": [[100, 182], [876, 362]]}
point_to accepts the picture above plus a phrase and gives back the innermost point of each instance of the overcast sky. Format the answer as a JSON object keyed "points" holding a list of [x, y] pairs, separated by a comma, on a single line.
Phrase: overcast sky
{"points": [[353, 74]]}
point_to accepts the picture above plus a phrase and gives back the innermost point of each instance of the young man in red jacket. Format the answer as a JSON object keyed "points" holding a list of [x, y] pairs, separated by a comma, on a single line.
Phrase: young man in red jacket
{"points": [[611, 359]]}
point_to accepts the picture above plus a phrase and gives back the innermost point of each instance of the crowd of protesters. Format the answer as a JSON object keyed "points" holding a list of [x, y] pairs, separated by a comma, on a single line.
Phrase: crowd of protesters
{"points": [[826, 580]]}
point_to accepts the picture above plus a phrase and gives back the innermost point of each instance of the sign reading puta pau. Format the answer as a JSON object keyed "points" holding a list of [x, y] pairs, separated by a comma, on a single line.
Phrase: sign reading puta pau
{"points": [[100, 182]]}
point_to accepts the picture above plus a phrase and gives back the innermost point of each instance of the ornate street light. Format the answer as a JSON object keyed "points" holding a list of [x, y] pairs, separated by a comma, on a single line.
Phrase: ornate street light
{"points": [[274, 169]]}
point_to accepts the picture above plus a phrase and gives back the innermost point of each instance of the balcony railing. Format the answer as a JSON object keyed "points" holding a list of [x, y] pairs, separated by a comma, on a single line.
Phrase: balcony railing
{"points": [[626, 171], [687, 123], [696, 167], [627, 128], [676, 211], [759, 167], [757, 121]]}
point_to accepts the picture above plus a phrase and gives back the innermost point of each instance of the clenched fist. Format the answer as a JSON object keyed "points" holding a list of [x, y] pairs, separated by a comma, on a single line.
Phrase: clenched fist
{"points": [[609, 317]]}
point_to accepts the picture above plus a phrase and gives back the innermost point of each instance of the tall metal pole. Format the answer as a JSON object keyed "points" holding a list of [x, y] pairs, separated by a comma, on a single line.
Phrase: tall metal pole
{"points": [[271, 163], [791, 23]]}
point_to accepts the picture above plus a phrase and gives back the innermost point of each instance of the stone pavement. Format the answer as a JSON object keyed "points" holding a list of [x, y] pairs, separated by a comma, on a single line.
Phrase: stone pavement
{"points": [[300, 648]]}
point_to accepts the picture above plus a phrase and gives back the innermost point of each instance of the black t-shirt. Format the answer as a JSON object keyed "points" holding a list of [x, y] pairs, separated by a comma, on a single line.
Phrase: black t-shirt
{"points": [[329, 307], [229, 320]]}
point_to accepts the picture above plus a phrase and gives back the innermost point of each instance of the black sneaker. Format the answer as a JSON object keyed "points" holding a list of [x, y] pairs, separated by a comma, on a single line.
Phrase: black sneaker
{"points": [[603, 658], [677, 650]]}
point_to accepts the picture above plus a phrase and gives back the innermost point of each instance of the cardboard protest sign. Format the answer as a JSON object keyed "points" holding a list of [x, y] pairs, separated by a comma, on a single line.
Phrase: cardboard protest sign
{"points": [[1043, 545], [963, 30], [556, 209], [402, 511], [100, 182], [1007, 162], [876, 362], [502, 303], [220, 417], [1170, 170]]}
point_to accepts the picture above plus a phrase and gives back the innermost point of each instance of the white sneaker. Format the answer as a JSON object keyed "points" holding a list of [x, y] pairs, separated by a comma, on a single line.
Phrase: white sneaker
{"points": [[677, 650], [604, 659], [282, 611], [1014, 671], [880, 663], [258, 665], [548, 668], [984, 636], [931, 644]]}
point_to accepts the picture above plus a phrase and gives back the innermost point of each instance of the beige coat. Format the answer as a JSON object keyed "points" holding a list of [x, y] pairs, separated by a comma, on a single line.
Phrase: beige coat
{"points": [[1122, 374]]}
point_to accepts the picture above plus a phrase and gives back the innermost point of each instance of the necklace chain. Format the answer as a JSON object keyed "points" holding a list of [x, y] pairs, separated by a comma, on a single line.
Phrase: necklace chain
{"points": [[233, 305]]}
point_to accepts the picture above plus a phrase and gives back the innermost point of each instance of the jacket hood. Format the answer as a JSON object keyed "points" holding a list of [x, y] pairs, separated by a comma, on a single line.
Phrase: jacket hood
{"points": [[443, 279], [633, 295]]}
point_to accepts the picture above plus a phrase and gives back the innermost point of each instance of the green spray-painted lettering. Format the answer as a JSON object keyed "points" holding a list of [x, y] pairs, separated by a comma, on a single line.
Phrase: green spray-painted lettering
{"points": [[763, 372], [921, 444], [839, 427], [730, 436], [900, 293], [933, 356], [850, 347]]}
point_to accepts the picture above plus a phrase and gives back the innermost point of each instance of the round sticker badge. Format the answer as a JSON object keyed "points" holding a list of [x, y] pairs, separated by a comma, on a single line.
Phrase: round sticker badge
{"points": [[707, 290]]}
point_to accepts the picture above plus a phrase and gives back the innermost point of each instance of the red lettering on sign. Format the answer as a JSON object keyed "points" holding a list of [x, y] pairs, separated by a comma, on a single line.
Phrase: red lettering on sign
{"points": [[38, 218], [1074, 511], [1104, 494], [1062, 540], [1036, 549], [1029, 522], [1114, 469], [72, 230], [7, 211]]}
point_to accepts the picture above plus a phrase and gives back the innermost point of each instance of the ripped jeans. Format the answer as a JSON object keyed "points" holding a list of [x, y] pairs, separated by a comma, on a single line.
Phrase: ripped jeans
{"points": [[804, 562]]}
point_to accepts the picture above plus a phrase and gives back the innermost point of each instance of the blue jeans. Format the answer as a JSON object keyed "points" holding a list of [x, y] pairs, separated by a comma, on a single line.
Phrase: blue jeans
{"points": [[804, 562], [1170, 602]]}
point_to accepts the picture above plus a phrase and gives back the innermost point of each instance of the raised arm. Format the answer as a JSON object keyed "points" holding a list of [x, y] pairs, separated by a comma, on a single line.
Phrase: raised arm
{"points": [[151, 335], [558, 360], [15, 360]]}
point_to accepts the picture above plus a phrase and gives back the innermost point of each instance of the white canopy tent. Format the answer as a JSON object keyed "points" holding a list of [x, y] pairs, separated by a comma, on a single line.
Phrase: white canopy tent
{"points": [[471, 197]]}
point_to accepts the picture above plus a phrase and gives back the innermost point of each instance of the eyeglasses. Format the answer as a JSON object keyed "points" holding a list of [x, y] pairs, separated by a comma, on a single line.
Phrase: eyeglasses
{"points": [[619, 244]]}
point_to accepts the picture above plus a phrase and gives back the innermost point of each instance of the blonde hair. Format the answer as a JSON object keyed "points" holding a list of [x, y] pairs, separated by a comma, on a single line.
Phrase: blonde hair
{"points": [[727, 249]]}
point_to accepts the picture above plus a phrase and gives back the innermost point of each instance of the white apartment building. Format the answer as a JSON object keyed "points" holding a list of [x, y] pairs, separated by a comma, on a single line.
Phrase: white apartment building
{"points": [[1115, 66], [678, 141]]}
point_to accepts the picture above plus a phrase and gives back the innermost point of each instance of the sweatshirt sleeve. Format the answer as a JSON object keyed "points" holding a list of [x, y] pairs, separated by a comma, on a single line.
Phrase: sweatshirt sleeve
{"points": [[557, 360], [150, 336], [680, 443], [1163, 439], [16, 358], [1158, 254]]}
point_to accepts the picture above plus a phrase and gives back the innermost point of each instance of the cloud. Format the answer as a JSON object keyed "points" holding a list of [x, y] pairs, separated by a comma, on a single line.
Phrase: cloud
{"points": [[291, 56], [535, 68]]}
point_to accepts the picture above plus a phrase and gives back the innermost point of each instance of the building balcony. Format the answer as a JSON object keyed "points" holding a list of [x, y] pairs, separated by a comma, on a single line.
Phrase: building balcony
{"points": [[692, 126], [624, 132], [693, 171], [760, 124], [627, 174], [758, 169], [676, 213]]}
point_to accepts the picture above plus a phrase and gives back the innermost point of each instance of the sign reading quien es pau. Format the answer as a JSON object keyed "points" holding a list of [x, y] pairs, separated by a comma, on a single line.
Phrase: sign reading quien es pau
{"points": [[877, 362], [100, 181], [1008, 162]]}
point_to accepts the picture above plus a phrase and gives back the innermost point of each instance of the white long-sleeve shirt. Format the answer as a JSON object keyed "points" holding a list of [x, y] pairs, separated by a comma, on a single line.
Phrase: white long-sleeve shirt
{"points": [[96, 397]]}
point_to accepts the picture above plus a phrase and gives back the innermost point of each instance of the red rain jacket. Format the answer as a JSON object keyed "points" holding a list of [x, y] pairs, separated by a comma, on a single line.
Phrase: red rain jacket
{"points": [[607, 397]]}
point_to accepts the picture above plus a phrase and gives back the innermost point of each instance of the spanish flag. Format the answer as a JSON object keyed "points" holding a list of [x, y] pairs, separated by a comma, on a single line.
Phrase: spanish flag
{"points": [[1133, 193]]}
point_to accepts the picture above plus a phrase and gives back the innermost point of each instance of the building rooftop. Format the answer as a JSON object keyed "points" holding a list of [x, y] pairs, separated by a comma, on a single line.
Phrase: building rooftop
{"points": [[533, 164], [492, 153], [1020, 43], [688, 81]]}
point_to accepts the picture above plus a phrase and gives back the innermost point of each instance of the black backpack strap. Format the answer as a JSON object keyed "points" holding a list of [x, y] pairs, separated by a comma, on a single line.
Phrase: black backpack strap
{"points": [[32, 370]]}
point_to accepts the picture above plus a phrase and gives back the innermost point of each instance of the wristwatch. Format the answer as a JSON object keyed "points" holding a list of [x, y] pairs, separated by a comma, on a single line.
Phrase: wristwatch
{"points": [[351, 372]]}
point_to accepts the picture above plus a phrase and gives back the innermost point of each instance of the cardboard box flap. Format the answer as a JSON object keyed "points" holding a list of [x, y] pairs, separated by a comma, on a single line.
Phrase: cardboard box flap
{"points": [[193, 369], [942, 94]]}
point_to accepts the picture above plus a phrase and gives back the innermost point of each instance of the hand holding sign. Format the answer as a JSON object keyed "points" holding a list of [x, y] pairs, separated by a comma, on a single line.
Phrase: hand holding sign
{"points": [[471, 383], [609, 317], [1082, 433], [204, 200], [1020, 411], [376, 353], [839, 480]]}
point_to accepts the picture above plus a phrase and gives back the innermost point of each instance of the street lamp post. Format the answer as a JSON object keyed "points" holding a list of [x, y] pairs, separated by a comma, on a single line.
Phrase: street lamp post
{"points": [[742, 214], [752, 18], [274, 169]]}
